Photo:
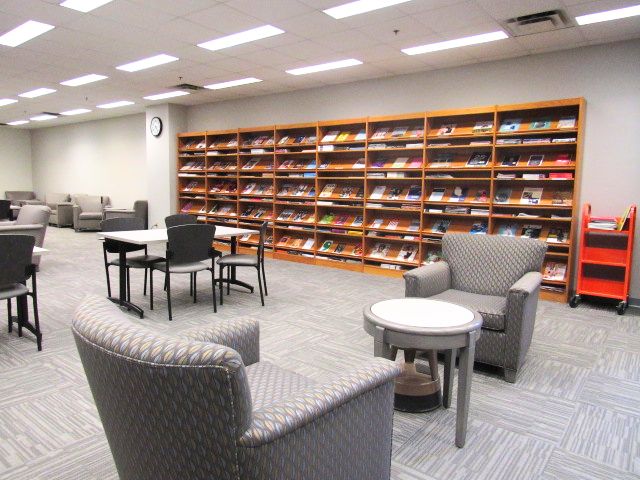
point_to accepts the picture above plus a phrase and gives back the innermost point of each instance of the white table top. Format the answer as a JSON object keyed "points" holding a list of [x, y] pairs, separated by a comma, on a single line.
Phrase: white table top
{"points": [[39, 250], [159, 235], [15, 207], [422, 313]]}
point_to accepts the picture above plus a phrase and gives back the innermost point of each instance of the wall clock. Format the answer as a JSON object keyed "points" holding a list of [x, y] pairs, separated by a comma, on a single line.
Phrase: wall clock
{"points": [[155, 126]]}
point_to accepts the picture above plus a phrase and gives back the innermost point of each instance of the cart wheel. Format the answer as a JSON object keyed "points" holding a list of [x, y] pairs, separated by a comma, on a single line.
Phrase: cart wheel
{"points": [[575, 300], [622, 306]]}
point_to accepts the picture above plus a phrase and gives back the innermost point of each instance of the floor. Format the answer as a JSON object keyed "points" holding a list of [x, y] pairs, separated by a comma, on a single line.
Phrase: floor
{"points": [[573, 414]]}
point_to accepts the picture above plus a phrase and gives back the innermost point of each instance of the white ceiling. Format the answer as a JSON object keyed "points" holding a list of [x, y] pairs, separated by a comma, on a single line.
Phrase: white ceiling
{"points": [[127, 30]]}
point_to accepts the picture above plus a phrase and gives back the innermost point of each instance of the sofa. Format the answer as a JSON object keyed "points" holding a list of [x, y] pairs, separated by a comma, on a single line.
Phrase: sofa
{"points": [[201, 405], [61, 209], [88, 211], [20, 198], [140, 210], [495, 275], [32, 220]]}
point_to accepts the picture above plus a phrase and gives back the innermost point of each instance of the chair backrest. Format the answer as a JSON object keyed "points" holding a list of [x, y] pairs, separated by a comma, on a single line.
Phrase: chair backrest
{"points": [[19, 195], [121, 224], [170, 408], [15, 258], [490, 264], [190, 243], [33, 214], [53, 199], [263, 236], [141, 210], [89, 203], [5, 209], [180, 219]]}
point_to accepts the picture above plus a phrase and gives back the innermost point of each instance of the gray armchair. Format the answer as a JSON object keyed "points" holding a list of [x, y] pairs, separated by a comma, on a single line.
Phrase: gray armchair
{"points": [[202, 405], [61, 209], [140, 210], [88, 211], [496, 276], [32, 220], [20, 198]]}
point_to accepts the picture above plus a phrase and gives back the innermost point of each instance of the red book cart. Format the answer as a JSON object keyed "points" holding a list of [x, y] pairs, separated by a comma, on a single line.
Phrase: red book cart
{"points": [[604, 262]]}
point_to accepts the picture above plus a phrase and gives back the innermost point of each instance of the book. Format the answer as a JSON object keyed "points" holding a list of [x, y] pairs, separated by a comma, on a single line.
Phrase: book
{"points": [[285, 214], [533, 176], [415, 162], [508, 229], [531, 231], [341, 219], [360, 163], [442, 159], [508, 141], [399, 131], [437, 194], [414, 193], [414, 226], [342, 137], [394, 193], [380, 133], [377, 223], [328, 190], [558, 235], [330, 136], [347, 191], [567, 122], [561, 197], [283, 240], [433, 257], [542, 124], [479, 228], [502, 195], [478, 159], [459, 194], [339, 248], [328, 218], [308, 244], [481, 196], [380, 250], [482, 126], [440, 226], [251, 163], [535, 160], [357, 221], [447, 129], [563, 159], [510, 125], [531, 140], [407, 253], [510, 160], [564, 140], [361, 135], [399, 162], [324, 163], [286, 189], [378, 164], [531, 196], [416, 132], [326, 245], [378, 191], [456, 210], [554, 271]]}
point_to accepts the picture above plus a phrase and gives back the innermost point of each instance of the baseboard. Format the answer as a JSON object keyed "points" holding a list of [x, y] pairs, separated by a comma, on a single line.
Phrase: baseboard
{"points": [[634, 302]]}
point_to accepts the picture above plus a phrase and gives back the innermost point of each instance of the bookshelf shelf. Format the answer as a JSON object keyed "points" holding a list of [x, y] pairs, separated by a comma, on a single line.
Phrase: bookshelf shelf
{"points": [[316, 157]]}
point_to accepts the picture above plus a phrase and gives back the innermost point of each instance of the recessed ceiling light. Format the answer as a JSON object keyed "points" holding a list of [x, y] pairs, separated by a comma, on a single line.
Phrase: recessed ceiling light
{"points": [[7, 101], [161, 96], [147, 63], [43, 117], [120, 103], [84, 6], [325, 66], [38, 92], [232, 83], [458, 42], [608, 15], [75, 82], [17, 122], [77, 111], [239, 38], [360, 6], [24, 33]]}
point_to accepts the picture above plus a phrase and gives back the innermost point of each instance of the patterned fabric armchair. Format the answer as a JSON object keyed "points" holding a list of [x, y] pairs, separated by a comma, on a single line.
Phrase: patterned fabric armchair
{"points": [[32, 220], [202, 405], [61, 209], [88, 211], [496, 276]]}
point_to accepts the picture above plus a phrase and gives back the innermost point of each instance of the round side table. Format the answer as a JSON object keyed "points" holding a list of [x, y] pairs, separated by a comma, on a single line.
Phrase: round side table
{"points": [[420, 324]]}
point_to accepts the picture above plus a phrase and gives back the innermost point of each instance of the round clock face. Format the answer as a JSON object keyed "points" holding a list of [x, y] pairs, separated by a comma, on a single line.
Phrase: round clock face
{"points": [[155, 126]]}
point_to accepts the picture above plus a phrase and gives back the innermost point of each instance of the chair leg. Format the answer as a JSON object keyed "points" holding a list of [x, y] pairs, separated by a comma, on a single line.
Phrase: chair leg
{"points": [[168, 277], [151, 288], [264, 280], [260, 285], [144, 292], [128, 284], [106, 268], [221, 285], [20, 306], [165, 282], [229, 280], [195, 278], [213, 288], [36, 320], [9, 319], [191, 284]]}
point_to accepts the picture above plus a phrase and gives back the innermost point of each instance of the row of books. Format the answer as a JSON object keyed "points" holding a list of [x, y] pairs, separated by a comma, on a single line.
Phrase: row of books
{"points": [[297, 139], [533, 196], [510, 125], [342, 219], [534, 140], [381, 133]]}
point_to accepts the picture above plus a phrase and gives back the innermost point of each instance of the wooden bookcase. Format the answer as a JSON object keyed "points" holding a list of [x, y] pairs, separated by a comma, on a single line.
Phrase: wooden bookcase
{"points": [[376, 194]]}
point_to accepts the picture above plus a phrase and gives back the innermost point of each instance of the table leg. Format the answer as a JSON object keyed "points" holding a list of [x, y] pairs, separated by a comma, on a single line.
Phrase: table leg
{"points": [[382, 349], [233, 280], [465, 372], [449, 371], [122, 273]]}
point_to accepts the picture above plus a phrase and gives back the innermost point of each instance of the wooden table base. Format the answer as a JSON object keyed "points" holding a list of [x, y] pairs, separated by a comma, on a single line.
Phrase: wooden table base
{"points": [[416, 391]]}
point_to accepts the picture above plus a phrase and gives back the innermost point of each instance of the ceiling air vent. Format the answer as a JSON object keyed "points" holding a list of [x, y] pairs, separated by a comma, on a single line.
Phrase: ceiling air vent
{"points": [[537, 23], [187, 86]]}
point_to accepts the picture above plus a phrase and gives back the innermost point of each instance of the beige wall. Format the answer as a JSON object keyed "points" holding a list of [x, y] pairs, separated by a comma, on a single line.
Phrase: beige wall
{"points": [[15, 160], [102, 157], [608, 76]]}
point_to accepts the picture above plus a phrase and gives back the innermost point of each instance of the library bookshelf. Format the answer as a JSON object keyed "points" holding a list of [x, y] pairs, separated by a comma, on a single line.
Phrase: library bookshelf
{"points": [[376, 194]]}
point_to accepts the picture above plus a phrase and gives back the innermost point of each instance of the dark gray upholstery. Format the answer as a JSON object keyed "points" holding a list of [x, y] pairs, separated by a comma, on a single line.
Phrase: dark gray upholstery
{"points": [[61, 209], [88, 211], [496, 276], [5, 210], [32, 220], [140, 210], [202, 406], [180, 219], [239, 260], [21, 198]]}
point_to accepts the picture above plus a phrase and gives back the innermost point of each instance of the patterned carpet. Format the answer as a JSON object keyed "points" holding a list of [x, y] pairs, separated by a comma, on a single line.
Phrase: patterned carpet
{"points": [[573, 414]]}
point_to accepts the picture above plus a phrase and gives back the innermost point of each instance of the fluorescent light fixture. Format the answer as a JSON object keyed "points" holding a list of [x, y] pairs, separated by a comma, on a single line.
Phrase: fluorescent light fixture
{"points": [[43, 117], [232, 83], [458, 42], [608, 15], [84, 6], [325, 66], [162, 96], [76, 82], [120, 103], [239, 38], [360, 6], [38, 92], [77, 111], [17, 122], [24, 33], [7, 101], [147, 63]]}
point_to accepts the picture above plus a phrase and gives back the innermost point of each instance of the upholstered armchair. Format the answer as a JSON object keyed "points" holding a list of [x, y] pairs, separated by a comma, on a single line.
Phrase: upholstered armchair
{"points": [[497, 276], [88, 211], [202, 405], [140, 210], [32, 220], [21, 198], [61, 209]]}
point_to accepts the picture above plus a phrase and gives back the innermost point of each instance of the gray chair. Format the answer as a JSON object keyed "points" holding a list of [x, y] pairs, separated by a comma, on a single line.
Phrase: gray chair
{"points": [[202, 405], [32, 220], [140, 210], [180, 219], [497, 276], [61, 209], [15, 269], [144, 261], [5, 209], [88, 211], [20, 198], [188, 247], [237, 260]]}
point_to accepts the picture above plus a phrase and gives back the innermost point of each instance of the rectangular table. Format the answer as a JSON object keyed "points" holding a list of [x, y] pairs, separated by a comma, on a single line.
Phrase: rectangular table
{"points": [[159, 235]]}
